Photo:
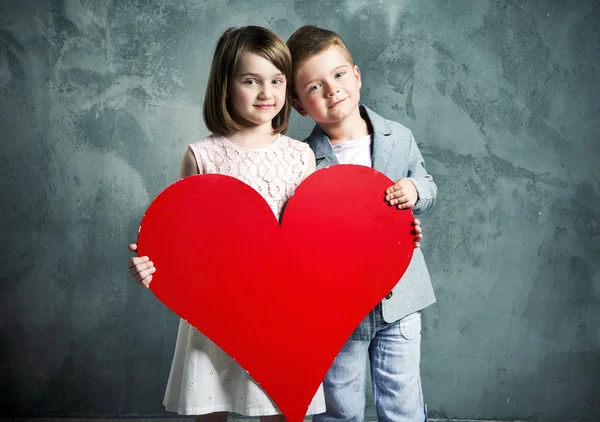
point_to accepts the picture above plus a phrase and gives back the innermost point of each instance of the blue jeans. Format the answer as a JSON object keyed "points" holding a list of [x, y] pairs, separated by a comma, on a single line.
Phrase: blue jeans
{"points": [[394, 351]]}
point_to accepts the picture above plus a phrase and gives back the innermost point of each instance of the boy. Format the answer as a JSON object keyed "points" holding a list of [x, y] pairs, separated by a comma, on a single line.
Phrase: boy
{"points": [[326, 87]]}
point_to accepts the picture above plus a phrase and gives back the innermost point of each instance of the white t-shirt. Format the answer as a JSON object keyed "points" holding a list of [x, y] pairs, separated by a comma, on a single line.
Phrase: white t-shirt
{"points": [[356, 151]]}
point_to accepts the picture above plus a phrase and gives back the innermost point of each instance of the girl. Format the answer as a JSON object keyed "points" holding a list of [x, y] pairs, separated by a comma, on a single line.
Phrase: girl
{"points": [[247, 110]]}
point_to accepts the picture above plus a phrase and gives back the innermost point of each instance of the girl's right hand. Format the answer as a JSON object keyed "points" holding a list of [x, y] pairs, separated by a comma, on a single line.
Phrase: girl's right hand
{"points": [[141, 268]]}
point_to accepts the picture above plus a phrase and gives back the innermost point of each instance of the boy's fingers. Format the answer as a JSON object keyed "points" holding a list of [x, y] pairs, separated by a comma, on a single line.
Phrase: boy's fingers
{"points": [[392, 189], [400, 200], [133, 247], [405, 205], [416, 222], [395, 194]]}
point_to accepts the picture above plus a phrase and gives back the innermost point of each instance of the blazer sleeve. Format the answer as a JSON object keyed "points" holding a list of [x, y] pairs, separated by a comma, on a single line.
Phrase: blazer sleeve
{"points": [[423, 181]]}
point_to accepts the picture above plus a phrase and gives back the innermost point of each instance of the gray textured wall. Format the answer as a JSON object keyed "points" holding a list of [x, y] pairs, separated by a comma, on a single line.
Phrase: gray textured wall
{"points": [[98, 100]]}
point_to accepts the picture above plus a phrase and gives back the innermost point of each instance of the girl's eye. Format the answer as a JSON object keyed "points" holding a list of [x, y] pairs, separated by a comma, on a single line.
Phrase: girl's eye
{"points": [[314, 87], [251, 82], [278, 81]]}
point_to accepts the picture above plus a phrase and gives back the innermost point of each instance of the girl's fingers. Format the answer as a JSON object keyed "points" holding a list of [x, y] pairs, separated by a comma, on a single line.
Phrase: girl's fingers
{"points": [[143, 274], [146, 282], [139, 268], [136, 269], [139, 264], [138, 260]]}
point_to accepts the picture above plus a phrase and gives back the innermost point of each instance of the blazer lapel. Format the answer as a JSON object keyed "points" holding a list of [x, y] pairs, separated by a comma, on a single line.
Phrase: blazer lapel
{"points": [[383, 143], [382, 146], [319, 143]]}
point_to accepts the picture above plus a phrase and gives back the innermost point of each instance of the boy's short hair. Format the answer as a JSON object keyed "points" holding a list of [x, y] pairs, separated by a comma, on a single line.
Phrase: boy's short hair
{"points": [[310, 40], [217, 112]]}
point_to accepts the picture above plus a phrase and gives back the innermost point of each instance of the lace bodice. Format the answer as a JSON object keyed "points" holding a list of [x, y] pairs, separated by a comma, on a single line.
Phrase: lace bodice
{"points": [[274, 172]]}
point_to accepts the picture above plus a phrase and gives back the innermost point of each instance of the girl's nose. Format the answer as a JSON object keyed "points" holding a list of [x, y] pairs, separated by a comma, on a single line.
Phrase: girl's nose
{"points": [[265, 93]]}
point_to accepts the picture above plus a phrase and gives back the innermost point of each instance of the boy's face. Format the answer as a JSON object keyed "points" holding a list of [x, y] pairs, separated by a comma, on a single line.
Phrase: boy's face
{"points": [[328, 87]]}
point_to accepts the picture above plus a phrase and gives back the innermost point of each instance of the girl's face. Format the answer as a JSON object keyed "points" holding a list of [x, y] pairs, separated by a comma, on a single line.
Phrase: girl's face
{"points": [[257, 91]]}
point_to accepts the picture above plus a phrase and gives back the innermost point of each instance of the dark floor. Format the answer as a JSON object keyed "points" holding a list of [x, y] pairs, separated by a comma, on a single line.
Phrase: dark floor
{"points": [[180, 419]]}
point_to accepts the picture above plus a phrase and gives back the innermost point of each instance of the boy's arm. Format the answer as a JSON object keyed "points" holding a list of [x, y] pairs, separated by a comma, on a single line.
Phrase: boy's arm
{"points": [[423, 181]]}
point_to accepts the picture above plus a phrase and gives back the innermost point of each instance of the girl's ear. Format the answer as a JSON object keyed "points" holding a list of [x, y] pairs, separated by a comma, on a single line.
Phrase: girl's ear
{"points": [[298, 106]]}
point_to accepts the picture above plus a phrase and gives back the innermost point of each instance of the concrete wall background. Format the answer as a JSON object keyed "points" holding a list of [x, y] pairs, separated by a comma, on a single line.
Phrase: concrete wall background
{"points": [[98, 101]]}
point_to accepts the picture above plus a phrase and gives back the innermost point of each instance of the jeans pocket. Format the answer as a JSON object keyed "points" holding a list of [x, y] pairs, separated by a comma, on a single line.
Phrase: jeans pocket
{"points": [[410, 326]]}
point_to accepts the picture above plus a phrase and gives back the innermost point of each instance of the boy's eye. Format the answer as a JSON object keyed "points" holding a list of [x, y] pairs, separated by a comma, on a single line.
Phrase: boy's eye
{"points": [[340, 74], [314, 87]]}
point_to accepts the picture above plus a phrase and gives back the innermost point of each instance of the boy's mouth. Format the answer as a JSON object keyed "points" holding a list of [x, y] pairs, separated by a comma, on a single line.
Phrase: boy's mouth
{"points": [[338, 102]]}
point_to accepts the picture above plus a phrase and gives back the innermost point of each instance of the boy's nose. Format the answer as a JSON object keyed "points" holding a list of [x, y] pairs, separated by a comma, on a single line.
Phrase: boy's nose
{"points": [[332, 91]]}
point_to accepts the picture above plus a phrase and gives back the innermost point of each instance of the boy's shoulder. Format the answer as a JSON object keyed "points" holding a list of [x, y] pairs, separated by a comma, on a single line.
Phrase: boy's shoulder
{"points": [[384, 126], [379, 124]]}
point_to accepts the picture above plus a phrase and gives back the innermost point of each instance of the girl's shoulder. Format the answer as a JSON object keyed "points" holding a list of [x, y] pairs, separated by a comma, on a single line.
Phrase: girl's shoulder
{"points": [[293, 143], [207, 140]]}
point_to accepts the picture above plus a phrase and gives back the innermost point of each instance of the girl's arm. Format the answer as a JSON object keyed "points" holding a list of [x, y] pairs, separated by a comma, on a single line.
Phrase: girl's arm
{"points": [[141, 268], [189, 167], [311, 165]]}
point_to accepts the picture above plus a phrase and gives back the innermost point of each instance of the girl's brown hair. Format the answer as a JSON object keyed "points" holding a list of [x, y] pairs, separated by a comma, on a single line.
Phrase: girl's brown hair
{"points": [[217, 110]]}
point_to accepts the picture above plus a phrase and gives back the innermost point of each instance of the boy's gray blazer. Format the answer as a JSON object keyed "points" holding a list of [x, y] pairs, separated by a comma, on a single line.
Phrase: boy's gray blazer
{"points": [[395, 153]]}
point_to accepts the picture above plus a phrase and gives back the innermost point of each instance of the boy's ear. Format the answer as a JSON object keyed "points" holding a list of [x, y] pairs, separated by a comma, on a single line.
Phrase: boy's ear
{"points": [[357, 74], [298, 106]]}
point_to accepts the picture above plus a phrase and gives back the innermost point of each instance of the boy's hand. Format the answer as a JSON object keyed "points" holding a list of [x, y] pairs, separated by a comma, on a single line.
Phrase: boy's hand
{"points": [[418, 232], [403, 194], [141, 268]]}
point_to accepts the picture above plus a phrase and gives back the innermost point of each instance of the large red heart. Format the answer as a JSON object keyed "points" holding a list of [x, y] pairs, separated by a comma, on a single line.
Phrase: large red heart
{"points": [[281, 300]]}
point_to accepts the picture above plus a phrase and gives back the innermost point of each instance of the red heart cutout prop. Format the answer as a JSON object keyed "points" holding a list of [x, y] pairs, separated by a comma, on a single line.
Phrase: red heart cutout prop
{"points": [[281, 300]]}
